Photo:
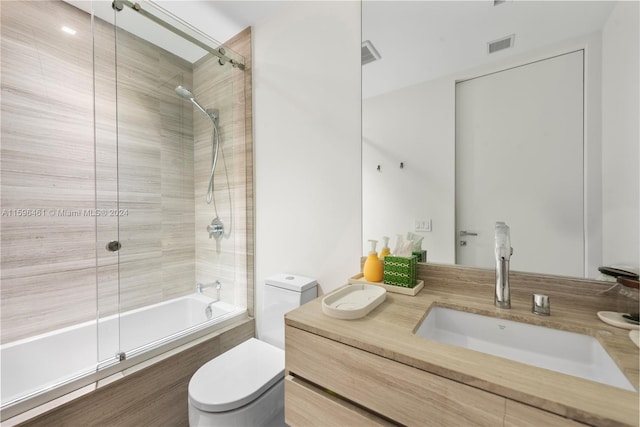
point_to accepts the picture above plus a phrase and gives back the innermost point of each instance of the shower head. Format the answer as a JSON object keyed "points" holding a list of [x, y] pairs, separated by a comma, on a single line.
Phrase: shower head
{"points": [[185, 93], [188, 95]]}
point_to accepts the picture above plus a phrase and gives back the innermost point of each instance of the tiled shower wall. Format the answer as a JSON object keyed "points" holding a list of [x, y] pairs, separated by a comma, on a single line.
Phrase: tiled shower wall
{"points": [[47, 163], [225, 259], [54, 268]]}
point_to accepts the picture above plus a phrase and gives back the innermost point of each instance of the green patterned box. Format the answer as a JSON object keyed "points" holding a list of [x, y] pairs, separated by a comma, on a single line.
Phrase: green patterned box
{"points": [[400, 271]]}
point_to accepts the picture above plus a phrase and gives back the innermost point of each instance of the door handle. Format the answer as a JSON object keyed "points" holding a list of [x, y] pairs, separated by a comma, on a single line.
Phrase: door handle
{"points": [[114, 246], [468, 233]]}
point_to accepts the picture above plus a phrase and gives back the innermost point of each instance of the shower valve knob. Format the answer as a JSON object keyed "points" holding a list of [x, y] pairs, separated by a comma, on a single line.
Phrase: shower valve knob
{"points": [[215, 229]]}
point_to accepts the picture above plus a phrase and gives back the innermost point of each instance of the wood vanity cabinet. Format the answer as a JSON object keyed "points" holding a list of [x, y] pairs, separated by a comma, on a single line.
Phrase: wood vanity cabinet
{"points": [[333, 384]]}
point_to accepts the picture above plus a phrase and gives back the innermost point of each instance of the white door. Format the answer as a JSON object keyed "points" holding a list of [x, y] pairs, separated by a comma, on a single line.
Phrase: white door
{"points": [[519, 159]]}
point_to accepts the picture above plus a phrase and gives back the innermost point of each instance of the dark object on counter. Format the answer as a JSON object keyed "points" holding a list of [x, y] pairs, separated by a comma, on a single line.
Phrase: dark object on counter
{"points": [[617, 272], [628, 299], [628, 282]]}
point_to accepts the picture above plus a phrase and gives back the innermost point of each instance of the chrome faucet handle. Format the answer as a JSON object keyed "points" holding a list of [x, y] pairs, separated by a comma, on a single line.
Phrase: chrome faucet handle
{"points": [[540, 305], [218, 285], [215, 229]]}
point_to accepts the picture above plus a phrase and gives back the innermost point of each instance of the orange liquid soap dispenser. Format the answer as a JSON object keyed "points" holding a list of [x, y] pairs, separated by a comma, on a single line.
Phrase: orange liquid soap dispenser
{"points": [[372, 266], [385, 248]]}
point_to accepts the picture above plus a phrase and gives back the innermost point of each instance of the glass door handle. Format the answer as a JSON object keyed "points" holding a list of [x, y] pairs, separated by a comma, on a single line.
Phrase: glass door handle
{"points": [[113, 246]]}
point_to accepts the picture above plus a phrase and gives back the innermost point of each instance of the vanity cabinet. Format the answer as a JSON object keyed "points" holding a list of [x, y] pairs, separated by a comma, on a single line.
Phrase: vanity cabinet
{"points": [[308, 405], [331, 383], [520, 415]]}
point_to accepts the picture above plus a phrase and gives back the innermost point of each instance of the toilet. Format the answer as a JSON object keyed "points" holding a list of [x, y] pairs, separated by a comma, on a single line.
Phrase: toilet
{"points": [[245, 385]]}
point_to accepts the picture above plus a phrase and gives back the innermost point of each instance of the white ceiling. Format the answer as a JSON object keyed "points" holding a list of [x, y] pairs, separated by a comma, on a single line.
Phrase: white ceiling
{"points": [[222, 19], [423, 40], [217, 20], [419, 40]]}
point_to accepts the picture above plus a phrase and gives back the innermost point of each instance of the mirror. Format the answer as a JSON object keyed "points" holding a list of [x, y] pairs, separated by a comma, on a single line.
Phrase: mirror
{"points": [[422, 50]]}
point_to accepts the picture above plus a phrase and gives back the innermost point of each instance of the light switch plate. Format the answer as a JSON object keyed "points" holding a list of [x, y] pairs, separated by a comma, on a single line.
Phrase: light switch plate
{"points": [[423, 225]]}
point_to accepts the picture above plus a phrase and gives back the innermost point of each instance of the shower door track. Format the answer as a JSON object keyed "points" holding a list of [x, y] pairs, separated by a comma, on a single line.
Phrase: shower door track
{"points": [[118, 5]]}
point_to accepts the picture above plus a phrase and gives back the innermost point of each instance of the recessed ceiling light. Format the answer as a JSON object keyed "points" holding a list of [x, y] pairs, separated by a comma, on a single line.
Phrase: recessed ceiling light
{"points": [[68, 30]]}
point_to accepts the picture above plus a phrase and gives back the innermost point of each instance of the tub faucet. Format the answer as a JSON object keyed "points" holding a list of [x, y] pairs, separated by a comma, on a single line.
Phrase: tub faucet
{"points": [[504, 251], [208, 311], [202, 286]]}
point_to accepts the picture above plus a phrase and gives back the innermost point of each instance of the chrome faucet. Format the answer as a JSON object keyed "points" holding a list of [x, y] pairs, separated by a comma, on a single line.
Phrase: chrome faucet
{"points": [[208, 311], [504, 251], [202, 286]]}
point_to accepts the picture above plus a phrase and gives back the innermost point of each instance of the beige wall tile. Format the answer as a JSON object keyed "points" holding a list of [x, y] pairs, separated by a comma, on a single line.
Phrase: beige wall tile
{"points": [[141, 159]]}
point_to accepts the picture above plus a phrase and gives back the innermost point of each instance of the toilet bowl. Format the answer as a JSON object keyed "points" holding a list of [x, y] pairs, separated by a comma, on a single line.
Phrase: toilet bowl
{"points": [[245, 385], [242, 387]]}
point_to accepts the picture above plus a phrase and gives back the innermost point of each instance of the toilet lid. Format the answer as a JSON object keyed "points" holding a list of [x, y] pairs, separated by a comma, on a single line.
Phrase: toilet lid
{"points": [[236, 377]]}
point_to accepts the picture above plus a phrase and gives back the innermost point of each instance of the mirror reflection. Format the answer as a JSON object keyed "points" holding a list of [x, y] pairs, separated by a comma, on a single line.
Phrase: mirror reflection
{"points": [[525, 112]]}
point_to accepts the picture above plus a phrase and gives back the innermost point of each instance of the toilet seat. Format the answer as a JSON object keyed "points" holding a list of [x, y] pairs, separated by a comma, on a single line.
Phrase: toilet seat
{"points": [[236, 377]]}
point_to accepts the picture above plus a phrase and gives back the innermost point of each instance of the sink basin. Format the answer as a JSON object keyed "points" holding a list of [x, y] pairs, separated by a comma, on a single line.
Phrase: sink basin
{"points": [[561, 351]]}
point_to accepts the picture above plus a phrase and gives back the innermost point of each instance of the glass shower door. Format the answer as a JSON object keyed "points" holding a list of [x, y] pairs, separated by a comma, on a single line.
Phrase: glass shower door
{"points": [[170, 92], [48, 255], [106, 186]]}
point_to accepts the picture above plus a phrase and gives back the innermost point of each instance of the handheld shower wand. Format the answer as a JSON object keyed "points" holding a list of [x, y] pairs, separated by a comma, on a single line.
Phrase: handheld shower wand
{"points": [[188, 95], [216, 229]]}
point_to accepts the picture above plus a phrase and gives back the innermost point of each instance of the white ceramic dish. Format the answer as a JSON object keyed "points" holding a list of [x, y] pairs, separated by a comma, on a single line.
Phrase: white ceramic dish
{"points": [[353, 301], [615, 319]]}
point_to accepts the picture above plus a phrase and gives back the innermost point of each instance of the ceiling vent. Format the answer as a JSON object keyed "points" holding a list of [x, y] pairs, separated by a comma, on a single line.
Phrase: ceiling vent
{"points": [[369, 53], [501, 44]]}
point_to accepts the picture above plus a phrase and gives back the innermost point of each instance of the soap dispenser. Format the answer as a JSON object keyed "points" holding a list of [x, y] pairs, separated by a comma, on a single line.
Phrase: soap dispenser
{"points": [[385, 248], [372, 266]]}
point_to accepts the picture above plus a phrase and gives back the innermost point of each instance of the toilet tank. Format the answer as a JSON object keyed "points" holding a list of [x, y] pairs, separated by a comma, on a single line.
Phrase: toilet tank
{"points": [[283, 293]]}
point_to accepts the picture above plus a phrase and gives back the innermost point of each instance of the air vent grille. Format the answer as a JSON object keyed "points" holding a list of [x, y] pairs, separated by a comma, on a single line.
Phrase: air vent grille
{"points": [[369, 53], [501, 44]]}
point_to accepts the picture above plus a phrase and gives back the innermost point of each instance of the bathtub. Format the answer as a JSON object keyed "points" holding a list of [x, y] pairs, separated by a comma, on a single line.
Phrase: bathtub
{"points": [[41, 363]]}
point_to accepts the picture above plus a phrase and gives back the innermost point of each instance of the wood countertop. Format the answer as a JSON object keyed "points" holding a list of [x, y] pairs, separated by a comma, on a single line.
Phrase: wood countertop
{"points": [[388, 331]]}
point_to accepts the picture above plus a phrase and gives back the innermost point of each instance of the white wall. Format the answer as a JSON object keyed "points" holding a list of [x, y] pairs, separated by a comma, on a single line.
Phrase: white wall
{"points": [[307, 143], [415, 126], [620, 135]]}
